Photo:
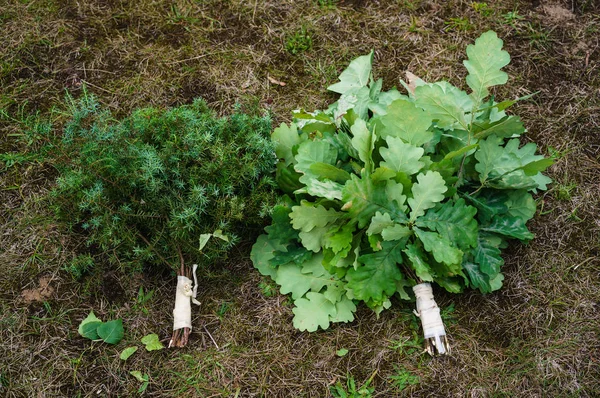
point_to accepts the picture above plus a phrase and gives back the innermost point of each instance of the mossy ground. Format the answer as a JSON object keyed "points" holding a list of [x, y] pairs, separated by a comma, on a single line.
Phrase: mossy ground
{"points": [[538, 336]]}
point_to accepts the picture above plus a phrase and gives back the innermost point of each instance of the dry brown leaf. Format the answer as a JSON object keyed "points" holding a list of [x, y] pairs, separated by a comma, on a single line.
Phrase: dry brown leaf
{"points": [[412, 81], [275, 81]]}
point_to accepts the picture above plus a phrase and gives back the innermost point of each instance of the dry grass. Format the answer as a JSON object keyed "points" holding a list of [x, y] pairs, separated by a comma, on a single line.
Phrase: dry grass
{"points": [[537, 337]]}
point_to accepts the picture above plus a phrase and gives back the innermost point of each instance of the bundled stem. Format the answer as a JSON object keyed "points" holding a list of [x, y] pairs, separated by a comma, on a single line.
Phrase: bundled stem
{"points": [[434, 332], [181, 336]]}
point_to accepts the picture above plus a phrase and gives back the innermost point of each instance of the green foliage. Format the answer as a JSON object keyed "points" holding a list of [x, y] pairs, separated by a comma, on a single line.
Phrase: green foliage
{"points": [[350, 390], [142, 378], [459, 24], [342, 352], [398, 189], [327, 4], [79, 265], [161, 181], [404, 378], [127, 352], [30, 144], [482, 8], [92, 328], [152, 342], [512, 18], [299, 42]]}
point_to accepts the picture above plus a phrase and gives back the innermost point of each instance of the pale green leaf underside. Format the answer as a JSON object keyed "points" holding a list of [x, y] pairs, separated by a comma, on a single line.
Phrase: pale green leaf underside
{"points": [[428, 191], [285, 138], [363, 141], [127, 352], [313, 312], [406, 121], [355, 76], [308, 216], [443, 106], [152, 342], [262, 252], [485, 59]]}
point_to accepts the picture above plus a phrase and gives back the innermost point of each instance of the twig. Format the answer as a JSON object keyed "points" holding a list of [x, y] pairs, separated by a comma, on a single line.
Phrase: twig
{"points": [[98, 87], [181, 261], [152, 248], [209, 335]]}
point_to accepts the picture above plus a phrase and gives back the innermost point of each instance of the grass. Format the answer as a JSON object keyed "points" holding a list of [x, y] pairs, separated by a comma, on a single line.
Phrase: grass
{"points": [[536, 337]]}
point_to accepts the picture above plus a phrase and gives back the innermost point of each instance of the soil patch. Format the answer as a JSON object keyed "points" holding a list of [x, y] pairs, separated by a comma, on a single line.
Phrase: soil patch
{"points": [[558, 13], [40, 293]]}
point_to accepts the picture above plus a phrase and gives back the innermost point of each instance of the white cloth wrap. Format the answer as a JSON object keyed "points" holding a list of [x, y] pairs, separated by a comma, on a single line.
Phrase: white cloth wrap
{"points": [[184, 295], [429, 312], [182, 314]]}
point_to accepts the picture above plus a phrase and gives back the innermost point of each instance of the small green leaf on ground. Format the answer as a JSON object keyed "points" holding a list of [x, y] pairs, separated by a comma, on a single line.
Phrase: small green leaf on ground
{"points": [[111, 332], [127, 352], [152, 342], [138, 375], [341, 352], [88, 327]]}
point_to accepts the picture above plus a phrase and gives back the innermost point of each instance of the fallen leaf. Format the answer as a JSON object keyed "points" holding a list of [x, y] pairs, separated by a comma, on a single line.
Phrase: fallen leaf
{"points": [[274, 81], [412, 81]]}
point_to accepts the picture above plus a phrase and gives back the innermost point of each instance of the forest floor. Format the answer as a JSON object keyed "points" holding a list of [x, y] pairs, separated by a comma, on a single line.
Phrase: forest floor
{"points": [[537, 337]]}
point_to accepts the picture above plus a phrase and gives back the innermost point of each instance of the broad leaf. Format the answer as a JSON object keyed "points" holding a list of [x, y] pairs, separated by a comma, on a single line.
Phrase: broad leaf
{"points": [[454, 221], [363, 141], [322, 189], [344, 311], [138, 375], [506, 167], [486, 58], [487, 254], [394, 191], [111, 332], [309, 122], [308, 216], [88, 327], [328, 171], [355, 100], [152, 342], [379, 222], [427, 192], [311, 152], [477, 278], [340, 239], [506, 127], [406, 121], [521, 205], [443, 106], [355, 76], [313, 312], [396, 232], [375, 279], [285, 138], [384, 100], [401, 157], [513, 227], [440, 247], [281, 230], [262, 253], [127, 352], [291, 280], [292, 254], [315, 239], [299, 279], [363, 198], [418, 261]]}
